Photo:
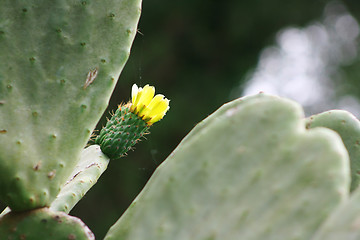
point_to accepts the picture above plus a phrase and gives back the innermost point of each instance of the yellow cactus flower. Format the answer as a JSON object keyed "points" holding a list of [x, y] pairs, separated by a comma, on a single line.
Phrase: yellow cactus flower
{"points": [[143, 103]]}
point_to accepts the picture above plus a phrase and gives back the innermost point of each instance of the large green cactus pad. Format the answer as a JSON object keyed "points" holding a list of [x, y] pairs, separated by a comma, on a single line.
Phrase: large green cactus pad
{"points": [[43, 224], [344, 223], [348, 127], [60, 61], [249, 171]]}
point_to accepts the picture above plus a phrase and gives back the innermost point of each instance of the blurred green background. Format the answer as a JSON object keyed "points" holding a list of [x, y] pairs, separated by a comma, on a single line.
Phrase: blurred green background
{"points": [[202, 54]]}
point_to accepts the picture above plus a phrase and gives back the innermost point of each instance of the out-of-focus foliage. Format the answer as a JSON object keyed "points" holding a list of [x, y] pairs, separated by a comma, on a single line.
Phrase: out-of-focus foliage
{"points": [[195, 52]]}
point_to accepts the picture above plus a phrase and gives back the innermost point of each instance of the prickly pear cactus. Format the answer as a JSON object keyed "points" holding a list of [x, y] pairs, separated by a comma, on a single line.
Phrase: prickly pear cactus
{"points": [[348, 127], [92, 164], [121, 132], [344, 223], [43, 224], [60, 61], [249, 171]]}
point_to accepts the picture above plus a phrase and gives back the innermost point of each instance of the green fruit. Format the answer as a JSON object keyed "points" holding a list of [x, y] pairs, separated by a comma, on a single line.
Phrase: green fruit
{"points": [[121, 133]]}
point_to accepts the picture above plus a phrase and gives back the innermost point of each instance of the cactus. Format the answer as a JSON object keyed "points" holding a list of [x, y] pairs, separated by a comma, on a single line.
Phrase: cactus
{"points": [[60, 63], [90, 167], [249, 171], [255, 169], [344, 222], [43, 224], [131, 121], [348, 127]]}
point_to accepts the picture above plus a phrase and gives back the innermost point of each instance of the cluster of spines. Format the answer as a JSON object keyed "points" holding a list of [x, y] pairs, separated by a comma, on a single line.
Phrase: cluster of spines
{"points": [[121, 132]]}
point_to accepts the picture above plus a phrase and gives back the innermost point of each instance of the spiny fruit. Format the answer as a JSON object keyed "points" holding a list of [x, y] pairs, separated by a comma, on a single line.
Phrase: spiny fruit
{"points": [[131, 121]]}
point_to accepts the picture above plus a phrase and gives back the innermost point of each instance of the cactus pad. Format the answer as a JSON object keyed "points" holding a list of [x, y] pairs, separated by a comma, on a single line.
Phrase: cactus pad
{"points": [[60, 61], [90, 167], [249, 171], [344, 223], [43, 224], [348, 127]]}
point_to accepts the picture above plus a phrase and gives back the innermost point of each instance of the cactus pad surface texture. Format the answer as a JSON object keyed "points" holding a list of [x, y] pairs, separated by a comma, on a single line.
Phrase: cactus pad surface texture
{"points": [[60, 61], [42, 224], [348, 127], [92, 164], [344, 223], [249, 171]]}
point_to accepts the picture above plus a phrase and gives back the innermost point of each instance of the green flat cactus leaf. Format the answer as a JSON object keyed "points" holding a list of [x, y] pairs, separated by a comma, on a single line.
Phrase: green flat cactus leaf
{"points": [[60, 61], [249, 171], [43, 224], [90, 167], [348, 127], [344, 223]]}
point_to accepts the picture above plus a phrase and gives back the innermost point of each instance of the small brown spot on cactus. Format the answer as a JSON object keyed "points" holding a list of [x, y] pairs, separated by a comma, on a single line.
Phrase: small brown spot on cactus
{"points": [[357, 142], [83, 44], [2, 32], [3, 131], [343, 121], [92, 74], [58, 30], [31, 200], [57, 218], [83, 3], [24, 10], [71, 237], [9, 87], [128, 31], [18, 142], [51, 174], [62, 81], [35, 114], [53, 136], [22, 237], [32, 59], [2, 103], [83, 106], [37, 166], [111, 15]]}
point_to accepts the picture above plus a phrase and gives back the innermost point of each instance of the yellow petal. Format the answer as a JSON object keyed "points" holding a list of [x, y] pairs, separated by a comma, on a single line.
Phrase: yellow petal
{"points": [[160, 108], [135, 105], [148, 94], [154, 102], [145, 98], [155, 119], [134, 92]]}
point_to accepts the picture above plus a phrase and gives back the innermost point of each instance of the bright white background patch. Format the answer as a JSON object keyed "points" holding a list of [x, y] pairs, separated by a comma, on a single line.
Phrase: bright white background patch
{"points": [[303, 65]]}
